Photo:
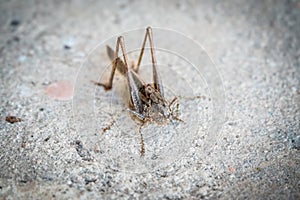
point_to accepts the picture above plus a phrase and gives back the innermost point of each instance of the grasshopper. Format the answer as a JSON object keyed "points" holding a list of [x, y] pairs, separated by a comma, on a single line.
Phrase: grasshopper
{"points": [[147, 102]]}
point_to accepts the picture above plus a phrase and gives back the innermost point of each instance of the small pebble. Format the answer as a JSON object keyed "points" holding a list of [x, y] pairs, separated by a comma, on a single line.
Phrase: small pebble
{"points": [[297, 142], [67, 47], [15, 22], [13, 119], [22, 58]]}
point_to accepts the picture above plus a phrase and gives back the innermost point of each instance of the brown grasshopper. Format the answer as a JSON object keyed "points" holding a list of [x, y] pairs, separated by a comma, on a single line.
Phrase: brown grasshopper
{"points": [[147, 102]]}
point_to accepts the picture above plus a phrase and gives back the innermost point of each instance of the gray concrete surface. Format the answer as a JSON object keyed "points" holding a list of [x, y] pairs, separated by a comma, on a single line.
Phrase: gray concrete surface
{"points": [[255, 47]]}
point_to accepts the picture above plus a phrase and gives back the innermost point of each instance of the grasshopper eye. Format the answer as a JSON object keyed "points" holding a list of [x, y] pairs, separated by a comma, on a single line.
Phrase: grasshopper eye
{"points": [[149, 89]]}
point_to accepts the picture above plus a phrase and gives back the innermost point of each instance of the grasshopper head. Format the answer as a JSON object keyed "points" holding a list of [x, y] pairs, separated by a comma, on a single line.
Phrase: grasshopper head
{"points": [[159, 109]]}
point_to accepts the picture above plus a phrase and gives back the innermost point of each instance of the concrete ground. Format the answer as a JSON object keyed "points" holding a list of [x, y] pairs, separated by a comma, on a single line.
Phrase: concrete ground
{"points": [[57, 151]]}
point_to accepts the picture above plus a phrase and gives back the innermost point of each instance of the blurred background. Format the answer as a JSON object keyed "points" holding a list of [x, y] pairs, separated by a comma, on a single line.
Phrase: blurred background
{"points": [[253, 44]]}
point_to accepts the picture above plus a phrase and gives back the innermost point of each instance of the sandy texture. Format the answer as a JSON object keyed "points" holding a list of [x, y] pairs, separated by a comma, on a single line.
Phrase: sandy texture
{"points": [[255, 48]]}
